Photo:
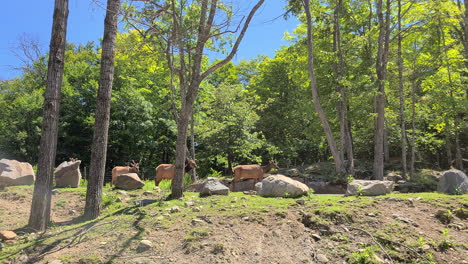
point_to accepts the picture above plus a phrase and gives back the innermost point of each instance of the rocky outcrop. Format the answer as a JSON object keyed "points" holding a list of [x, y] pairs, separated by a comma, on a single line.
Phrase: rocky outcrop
{"points": [[128, 181], [281, 186], [68, 174], [369, 188], [453, 182], [213, 186], [13, 172]]}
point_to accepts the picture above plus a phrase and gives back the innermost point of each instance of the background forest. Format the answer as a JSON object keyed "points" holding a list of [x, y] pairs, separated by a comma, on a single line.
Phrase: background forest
{"points": [[262, 109]]}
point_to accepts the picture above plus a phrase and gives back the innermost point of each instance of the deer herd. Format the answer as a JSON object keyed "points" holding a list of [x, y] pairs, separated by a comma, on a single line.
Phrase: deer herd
{"points": [[167, 171]]}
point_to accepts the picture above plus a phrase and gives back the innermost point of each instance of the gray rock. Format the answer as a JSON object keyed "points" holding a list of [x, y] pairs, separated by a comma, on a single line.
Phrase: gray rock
{"points": [[197, 221], [144, 246], [196, 209], [453, 182], [189, 203], [124, 193], [282, 186], [13, 172], [128, 181], [316, 237], [174, 209], [300, 201], [55, 191], [322, 258], [68, 174], [369, 188], [213, 186], [147, 193], [394, 177]]}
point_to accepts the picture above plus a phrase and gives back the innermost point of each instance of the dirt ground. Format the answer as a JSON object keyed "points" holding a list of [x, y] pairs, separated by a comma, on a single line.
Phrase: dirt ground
{"points": [[400, 228]]}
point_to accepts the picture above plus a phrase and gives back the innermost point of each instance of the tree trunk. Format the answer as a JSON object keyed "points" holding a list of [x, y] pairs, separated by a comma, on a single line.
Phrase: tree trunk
{"points": [[413, 127], [39, 217], [339, 68], [193, 172], [181, 146], [381, 70], [339, 165], [402, 98], [101, 127], [458, 153]]}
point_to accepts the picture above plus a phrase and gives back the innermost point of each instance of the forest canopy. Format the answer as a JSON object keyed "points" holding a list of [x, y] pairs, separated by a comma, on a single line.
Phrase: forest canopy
{"points": [[259, 110]]}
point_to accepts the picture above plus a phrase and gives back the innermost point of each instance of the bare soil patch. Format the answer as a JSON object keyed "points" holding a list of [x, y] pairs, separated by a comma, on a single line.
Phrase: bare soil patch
{"points": [[400, 228]]}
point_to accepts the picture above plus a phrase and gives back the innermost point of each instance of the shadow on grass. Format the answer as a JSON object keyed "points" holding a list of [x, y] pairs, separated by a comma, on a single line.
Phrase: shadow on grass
{"points": [[38, 249]]}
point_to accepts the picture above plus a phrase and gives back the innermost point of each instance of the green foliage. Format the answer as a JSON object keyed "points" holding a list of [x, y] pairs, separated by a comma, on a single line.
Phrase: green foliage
{"points": [[445, 244], [108, 199], [215, 173], [366, 256]]}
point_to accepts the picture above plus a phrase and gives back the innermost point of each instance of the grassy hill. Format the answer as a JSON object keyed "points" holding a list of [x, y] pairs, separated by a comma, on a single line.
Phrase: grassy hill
{"points": [[240, 228]]}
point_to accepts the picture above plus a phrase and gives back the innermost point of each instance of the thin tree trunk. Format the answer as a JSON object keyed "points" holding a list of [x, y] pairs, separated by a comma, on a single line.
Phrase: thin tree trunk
{"points": [[193, 172], [413, 128], [339, 165], [101, 127], [339, 68], [39, 217], [402, 98], [458, 153], [381, 70]]}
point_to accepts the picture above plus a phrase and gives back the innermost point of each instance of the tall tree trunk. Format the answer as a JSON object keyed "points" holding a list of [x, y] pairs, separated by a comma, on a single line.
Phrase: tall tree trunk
{"points": [[404, 169], [193, 172], [39, 217], [413, 126], [339, 164], [339, 69], [101, 127], [381, 70], [181, 146], [458, 153]]}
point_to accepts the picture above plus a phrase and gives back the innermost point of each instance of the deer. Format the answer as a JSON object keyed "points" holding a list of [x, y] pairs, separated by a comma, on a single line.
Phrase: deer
{"points": [[119, 170], [255, 172], [167, 171]]}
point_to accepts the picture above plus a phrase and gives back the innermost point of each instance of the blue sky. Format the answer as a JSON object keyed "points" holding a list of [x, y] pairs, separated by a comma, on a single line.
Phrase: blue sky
{"points": [[85, 23]]}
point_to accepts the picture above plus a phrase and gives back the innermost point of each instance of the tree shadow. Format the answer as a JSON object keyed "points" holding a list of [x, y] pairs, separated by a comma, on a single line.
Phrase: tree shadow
{"points": [[37, 250]]}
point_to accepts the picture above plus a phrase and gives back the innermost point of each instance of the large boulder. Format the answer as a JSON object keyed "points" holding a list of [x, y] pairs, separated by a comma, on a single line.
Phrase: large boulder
{"points": [[213, 186], [453, 182], [68, 174], [281, 186], [369, 188], [128, 181], [13, 172]]}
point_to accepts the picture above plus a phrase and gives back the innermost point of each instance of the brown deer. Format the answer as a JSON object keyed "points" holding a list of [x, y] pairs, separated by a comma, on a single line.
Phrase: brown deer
{"points": [[119, 170], [167, 171], [255, 172]]}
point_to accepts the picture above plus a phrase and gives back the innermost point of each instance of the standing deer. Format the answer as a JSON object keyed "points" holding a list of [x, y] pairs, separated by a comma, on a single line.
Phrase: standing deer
{"points": [[167, 171], [255, 172], [119, 170]]}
